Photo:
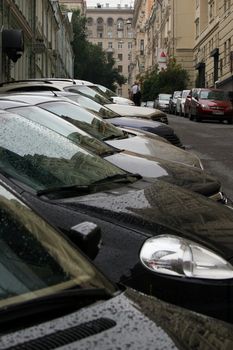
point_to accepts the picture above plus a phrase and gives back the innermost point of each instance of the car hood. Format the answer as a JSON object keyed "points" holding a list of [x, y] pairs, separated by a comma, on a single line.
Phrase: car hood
{"points": [[155, 148], [177, 174], [134, 111], [159, 208], [215, 103], [130, 319], [135, 122]]}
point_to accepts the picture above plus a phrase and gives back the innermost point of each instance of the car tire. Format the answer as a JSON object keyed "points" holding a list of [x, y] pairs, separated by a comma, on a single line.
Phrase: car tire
{"points": [[197, 118], [230, 120], [190, 115]]}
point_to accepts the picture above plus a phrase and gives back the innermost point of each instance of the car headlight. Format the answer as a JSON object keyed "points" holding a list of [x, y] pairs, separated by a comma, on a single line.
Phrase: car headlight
{"points": [[204, 106], [171, 255]]}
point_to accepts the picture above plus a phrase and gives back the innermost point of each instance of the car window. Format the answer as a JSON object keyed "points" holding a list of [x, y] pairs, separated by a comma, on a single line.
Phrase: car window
{"points": [[93, 106], [83, 119], [86, 91], [31, 265], [41, 159], [164, 97], [214, 95]]}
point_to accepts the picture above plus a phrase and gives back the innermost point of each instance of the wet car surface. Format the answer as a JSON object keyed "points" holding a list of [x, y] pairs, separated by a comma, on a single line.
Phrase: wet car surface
{"points": [[58, 184]]}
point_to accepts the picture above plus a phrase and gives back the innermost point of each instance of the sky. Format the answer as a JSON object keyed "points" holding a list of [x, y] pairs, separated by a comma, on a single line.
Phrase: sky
{"points": [[112, 3]]}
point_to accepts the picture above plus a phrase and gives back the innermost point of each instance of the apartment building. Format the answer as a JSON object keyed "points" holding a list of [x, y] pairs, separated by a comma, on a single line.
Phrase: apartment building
{"points": [[164, 30], [213, 49], [111, 29], [46, 35]]}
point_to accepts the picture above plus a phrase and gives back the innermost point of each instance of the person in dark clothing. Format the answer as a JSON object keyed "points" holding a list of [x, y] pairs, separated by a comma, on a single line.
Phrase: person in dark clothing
{"points": [[136, 94]]}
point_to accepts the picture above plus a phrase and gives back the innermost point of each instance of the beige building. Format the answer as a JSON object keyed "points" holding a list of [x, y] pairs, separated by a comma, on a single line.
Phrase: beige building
{"points": [[197, 33], [111, 29], [213, 49], [46, 35], [165, 29]]}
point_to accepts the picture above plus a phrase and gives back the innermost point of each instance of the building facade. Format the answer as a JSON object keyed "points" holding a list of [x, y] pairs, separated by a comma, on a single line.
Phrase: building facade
{"points": [[196, 33], [111, 29], [47, 38]]}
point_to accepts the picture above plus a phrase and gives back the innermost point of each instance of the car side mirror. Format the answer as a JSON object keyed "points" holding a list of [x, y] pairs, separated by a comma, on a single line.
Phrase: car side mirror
{"points": [[87, 236]]}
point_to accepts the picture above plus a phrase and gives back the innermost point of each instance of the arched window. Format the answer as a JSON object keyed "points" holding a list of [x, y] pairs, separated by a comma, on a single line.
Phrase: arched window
{"points": [[90, 21], [110, 22], [120, 24]]}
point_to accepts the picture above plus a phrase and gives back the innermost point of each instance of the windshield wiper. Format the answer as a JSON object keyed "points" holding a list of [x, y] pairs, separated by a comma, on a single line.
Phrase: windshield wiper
{"points": [[119, 178], [80, 189], [67, 300]]}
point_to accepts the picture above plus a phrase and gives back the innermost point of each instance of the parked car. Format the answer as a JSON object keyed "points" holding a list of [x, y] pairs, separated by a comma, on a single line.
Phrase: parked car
{"points": [[112, 96], [159, 129], [177, 174], [181, 243], [211, 104], [187, 105], [149, 104], [85, 88], [107, 132], [172, 101], [162, 102], [53, 296], [180, 102]]}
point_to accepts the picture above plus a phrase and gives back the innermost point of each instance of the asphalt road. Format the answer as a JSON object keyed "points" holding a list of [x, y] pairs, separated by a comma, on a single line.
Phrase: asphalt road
{"points": [[213, 143]]}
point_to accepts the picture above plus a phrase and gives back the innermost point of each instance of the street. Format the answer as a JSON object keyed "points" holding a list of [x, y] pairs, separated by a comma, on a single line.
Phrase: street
{"points": [[212, 142]]}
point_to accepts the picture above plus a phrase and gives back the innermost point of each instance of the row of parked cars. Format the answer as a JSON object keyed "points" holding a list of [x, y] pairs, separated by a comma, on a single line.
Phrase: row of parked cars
{"points": [[202, 104], [111, 231]]}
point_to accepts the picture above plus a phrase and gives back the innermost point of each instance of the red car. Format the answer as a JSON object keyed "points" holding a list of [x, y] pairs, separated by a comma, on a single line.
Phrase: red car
{"points": [[212, 104]]}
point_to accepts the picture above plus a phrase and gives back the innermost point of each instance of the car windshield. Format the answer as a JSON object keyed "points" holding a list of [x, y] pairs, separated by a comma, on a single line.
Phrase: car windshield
{"points": [[164, 97], [91, 105], [83, 119], [185, 93], [87, 91], [42, 159], [62, 127], [214, 95], [31, 264], [177, 94], [107, 91]]}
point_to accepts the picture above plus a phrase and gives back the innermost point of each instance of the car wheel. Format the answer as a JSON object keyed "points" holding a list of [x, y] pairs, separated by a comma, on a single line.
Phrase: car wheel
{"points": [[190, 115], [230, 120], [197, 118]]}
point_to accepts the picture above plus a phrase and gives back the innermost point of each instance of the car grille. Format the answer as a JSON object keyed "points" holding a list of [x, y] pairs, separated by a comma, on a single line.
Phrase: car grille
{"points": [[173, 139], [67, 336]]}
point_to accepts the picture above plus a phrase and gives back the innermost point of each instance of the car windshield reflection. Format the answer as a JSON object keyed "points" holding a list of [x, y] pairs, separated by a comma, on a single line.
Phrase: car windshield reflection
{"points": [[31, 264]]}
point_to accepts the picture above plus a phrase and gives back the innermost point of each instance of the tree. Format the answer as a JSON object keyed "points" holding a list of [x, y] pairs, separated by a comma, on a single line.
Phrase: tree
{"points": [[173, 78], [90, 61]]}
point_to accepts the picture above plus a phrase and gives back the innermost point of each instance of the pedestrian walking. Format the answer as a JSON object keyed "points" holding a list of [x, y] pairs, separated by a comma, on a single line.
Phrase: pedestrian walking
{"points": [[136, 94]]}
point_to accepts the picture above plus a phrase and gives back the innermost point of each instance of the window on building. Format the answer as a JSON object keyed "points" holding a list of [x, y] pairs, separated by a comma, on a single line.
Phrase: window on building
{"points": [[129, 56], [120, 44], [130, 45], [90, 21], [120, 56], [211, 10], [227, 5], [110, 45], [120, 34], [100, 44], [142, 47], [120, 24], [100, 35], [110, 22], [197, 26], [120, 69], [100, 24], [109, 34]]}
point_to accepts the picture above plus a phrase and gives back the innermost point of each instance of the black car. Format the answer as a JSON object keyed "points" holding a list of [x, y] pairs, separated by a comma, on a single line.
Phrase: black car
{"points": [[178, 174], [53, 297], [156, 237]]}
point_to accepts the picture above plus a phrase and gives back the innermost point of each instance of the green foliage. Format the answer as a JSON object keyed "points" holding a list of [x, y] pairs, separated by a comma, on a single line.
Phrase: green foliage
{"points": [[90, 61], [173, 78]]}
